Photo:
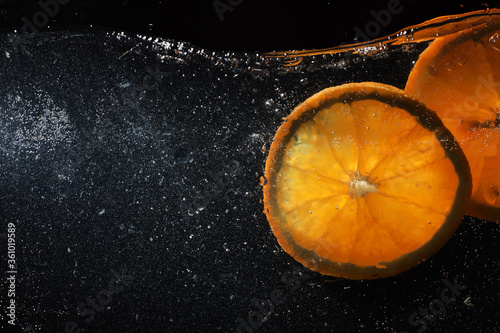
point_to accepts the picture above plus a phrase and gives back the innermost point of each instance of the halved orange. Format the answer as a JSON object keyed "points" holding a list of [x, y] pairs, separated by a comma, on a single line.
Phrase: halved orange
{"points": [[364, 182], [458, 76]]}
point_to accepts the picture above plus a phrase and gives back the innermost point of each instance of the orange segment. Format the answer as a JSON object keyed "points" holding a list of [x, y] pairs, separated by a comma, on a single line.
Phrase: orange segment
{"points": [[458, 76], [364, 182]]}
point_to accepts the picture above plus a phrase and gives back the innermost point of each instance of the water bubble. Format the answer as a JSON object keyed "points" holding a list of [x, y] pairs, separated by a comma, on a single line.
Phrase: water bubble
{"points": [[254, 139], [495, 41], [234, 167], [269, 103], [462, 60], [450, 66], [182, 156]]}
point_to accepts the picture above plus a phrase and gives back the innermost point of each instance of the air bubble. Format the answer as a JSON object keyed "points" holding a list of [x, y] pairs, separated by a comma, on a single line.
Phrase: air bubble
{"points": [[182, 156], [495, 41], [450, 66], [462, 60], [269, 103]]}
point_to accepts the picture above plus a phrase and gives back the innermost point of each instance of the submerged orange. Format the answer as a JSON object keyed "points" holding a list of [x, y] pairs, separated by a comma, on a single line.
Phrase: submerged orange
{"points": [[458, 76], [363, 182]]}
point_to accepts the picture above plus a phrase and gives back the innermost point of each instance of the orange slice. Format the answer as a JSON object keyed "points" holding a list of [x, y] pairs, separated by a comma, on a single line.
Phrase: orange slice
{"points": [[458, 76], [364, 182]]}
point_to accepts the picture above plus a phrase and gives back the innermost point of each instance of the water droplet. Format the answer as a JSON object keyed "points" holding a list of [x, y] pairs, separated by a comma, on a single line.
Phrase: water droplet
{"points": [[234, 167], [462, 60], [450, 66], [181, 156], [269, 103], [495, 41]]}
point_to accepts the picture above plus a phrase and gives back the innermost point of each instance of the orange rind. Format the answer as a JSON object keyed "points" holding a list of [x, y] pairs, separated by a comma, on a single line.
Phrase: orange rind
{"points": [[364, 182], [458, 76]]}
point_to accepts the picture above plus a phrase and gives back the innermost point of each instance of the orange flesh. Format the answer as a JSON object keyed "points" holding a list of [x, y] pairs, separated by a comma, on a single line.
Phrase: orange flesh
{"points": [[361, 183], [458, 76], [382, 184]]}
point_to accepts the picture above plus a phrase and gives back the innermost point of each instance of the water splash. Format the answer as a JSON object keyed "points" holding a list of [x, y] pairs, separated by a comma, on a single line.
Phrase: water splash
{"points": [[495, 41], [424, 32]]}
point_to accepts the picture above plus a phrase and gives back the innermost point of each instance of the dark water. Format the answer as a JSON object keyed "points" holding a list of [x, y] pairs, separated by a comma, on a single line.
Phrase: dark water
{"points": [[130, 168]]}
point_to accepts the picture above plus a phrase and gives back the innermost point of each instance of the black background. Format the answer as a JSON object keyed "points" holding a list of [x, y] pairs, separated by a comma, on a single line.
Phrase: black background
{"points": [[249, 26], [175, 286]]}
